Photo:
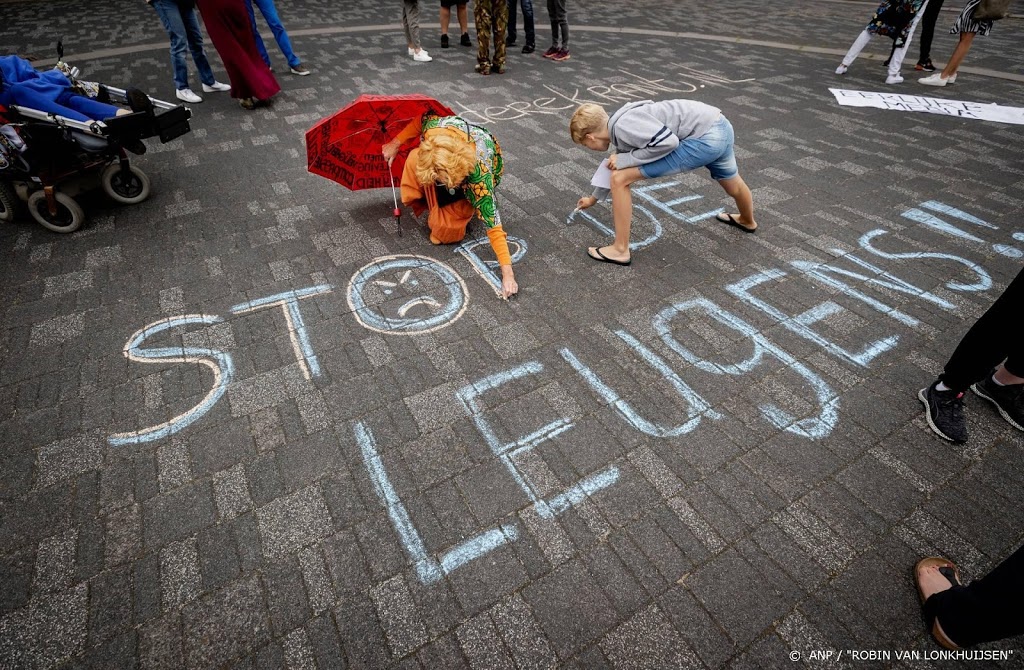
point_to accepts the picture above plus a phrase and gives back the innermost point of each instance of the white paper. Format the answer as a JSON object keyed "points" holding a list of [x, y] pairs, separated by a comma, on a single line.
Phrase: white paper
{"points": [[917, 103], [603, 176]]}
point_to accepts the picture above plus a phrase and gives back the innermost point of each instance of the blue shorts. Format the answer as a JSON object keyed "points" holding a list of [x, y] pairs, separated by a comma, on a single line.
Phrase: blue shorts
{"points": [[713, 150]]}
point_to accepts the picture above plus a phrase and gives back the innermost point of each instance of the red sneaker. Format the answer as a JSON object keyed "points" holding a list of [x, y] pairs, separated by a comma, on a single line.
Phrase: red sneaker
{"points": [[563, 54], [550, 52]]}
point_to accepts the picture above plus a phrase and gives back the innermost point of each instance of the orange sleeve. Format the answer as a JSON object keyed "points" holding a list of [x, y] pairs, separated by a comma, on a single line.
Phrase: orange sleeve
{"points": [[499, 244], [410, 131]]}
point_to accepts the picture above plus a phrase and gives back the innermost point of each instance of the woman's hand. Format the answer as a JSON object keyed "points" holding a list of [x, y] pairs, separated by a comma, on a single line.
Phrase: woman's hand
{"points": [[586, 201], [390, 150], [509, 287], [611, 162]]}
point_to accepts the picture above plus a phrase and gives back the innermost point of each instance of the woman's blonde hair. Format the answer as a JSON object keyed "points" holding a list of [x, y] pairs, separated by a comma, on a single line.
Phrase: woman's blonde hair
{"points": [[445, 159], [588, 118]]}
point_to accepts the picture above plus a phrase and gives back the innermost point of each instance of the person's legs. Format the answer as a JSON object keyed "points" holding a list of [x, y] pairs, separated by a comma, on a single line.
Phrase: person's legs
{"points": [[260, 46], [528, 24], [499, 21], [896, 62], [992, 337], [855, 49], [269, 12], [86, 106], [622, 213], [512, 11], [463, 15], [412, 38], [986, 610], [482, 17], [555, 25], [959, 53], [931, 15], [563, 22], [738, 190], [195, 45], [446, 18], [170, 17]]}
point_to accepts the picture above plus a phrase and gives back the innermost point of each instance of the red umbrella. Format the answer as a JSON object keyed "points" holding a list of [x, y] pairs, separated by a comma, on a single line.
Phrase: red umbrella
{"points": [[346, 146]]}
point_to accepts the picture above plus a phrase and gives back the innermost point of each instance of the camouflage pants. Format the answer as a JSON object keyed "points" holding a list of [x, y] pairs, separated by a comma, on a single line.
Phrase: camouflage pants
{"points": [[491, 17]]}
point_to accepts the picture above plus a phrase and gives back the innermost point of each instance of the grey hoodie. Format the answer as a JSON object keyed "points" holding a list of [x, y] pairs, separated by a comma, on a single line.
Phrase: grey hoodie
{"points": [[644, 131]]}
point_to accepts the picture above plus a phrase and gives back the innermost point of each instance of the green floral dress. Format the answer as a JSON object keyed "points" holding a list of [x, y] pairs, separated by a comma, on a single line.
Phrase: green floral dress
{"points": [[485, 176]]}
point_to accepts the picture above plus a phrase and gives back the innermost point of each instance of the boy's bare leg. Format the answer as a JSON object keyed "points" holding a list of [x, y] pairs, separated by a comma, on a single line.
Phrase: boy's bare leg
{"points": [[463, 13], [446, 17], [737, 189], [622, 213]]}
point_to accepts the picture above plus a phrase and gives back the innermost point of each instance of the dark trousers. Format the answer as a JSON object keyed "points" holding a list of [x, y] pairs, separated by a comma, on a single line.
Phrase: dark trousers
{"points": [[559, 24], [987, 610], [992, 338], [528, 26], [931, 14]]}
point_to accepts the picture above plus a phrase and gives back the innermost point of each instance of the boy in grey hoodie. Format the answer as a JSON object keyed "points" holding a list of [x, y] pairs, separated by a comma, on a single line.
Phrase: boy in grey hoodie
{"points": [[654, 139]]}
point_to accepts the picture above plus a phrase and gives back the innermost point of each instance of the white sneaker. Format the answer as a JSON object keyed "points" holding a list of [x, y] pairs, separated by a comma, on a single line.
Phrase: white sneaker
{"points": [[842, 69], [894, 79], [217, 86], [422, 56], [187, 95], [935, 80], [951, 79]]}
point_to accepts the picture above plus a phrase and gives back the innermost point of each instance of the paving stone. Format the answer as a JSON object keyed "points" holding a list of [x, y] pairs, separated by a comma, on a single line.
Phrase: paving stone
{"points": [[398, 615], [292, 522], [570, 607], [177, 514], [482, 645], [231, 492], [160, 643], [646, 641], [66, 458], [46, 632], [180, 576], [288, 604], [225, 624], [522, 634]]}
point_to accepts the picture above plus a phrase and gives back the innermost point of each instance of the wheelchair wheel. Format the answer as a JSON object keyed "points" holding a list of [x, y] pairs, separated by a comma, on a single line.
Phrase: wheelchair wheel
{"points": [[8, 203], [68, 219], [127, 189]]}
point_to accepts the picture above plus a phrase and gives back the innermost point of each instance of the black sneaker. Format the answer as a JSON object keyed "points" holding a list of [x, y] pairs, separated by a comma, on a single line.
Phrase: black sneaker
{"points": [[511, 42], [1008, 400], [529, 49], [944, 411], [926, 66], [444, 41], [464, 41]]}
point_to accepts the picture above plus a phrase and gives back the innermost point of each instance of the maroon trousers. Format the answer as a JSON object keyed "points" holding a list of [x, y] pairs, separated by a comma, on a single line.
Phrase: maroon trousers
{"points": [[227, 21]]}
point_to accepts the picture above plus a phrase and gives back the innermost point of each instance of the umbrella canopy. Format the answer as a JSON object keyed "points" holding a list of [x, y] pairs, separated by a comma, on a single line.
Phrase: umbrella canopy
{"points": [[346, 147]]}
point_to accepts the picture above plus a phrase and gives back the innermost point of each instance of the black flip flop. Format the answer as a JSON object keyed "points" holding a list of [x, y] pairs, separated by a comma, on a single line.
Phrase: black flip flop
{"points": [[601, 258], [731, 220]]}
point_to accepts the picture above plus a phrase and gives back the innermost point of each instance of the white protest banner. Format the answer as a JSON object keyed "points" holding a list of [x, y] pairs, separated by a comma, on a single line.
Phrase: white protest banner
{"points": [[917, 103]]}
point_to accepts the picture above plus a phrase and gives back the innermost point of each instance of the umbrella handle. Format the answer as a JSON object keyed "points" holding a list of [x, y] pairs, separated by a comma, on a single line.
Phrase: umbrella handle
{"points": [[398, 212]]}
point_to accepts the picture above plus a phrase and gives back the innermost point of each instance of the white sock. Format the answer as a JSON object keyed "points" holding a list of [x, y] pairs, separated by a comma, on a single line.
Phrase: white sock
{"points": [[941, 386]]}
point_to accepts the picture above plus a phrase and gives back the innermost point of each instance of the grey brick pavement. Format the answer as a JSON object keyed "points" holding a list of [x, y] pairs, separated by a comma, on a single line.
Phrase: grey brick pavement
{"points": [[608, 471]]}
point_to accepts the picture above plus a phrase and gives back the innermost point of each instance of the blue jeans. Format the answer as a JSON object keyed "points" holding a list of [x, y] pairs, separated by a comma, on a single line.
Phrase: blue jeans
{"points": [[269, 12], [713, 150], [527, 20], [183, 29]]}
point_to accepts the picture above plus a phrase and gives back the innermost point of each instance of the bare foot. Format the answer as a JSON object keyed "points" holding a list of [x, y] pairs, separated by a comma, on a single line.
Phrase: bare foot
{"points": [[434, 240], [932, 581]]}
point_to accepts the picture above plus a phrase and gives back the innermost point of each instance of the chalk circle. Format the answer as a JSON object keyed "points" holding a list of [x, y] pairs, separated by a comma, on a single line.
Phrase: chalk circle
{"points": [[383, 275]]}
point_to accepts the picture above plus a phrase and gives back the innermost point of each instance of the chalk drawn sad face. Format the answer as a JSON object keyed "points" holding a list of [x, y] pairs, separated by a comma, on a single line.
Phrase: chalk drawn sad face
{"points": [[407, 295]]}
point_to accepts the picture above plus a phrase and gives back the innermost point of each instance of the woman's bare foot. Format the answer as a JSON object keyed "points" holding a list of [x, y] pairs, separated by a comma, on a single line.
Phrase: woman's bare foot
{"points": [[609, 255], [434, 240]]}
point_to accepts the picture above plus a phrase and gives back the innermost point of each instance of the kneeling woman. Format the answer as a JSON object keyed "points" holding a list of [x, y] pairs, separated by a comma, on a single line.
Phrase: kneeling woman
{"points": [[453, 173]]}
